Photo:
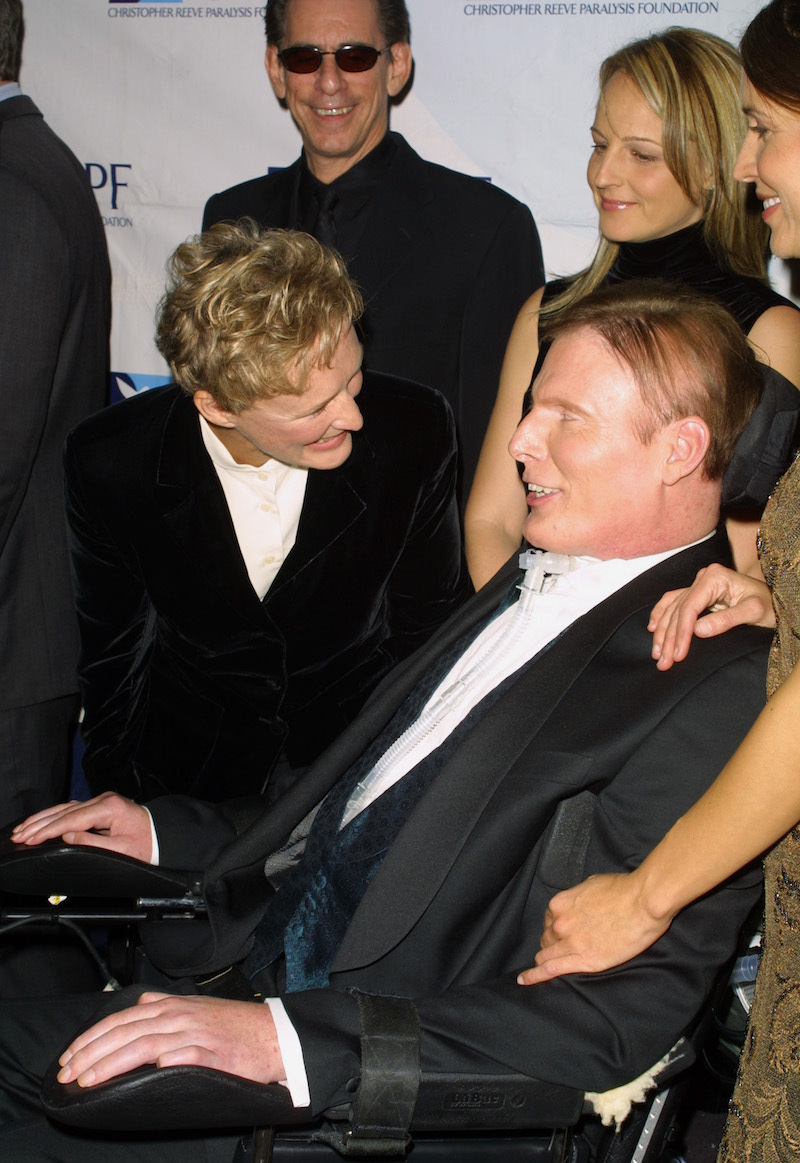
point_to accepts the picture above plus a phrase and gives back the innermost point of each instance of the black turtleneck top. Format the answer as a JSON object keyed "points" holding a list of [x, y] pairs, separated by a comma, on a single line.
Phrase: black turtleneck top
{"points": [[685, 258]]}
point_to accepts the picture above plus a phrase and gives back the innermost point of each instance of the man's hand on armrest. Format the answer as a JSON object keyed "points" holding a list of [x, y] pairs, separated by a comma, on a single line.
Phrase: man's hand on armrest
{"points": [[109, 821], [236, 1037]]}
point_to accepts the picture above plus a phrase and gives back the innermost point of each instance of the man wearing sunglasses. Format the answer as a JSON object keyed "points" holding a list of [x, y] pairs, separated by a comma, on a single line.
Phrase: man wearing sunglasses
{"points": [[444, 261]]}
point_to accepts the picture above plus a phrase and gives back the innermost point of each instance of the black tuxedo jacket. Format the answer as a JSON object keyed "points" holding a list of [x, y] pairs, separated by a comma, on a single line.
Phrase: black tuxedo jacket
{"points": [[456, 908], [190, 683], [445, 262], [54, 316]]}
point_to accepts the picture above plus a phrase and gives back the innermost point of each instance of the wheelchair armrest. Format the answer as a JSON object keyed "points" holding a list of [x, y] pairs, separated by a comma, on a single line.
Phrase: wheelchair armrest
{"points": [[493, 1102], [55, 868], [175, 1098], [194, 1097]]}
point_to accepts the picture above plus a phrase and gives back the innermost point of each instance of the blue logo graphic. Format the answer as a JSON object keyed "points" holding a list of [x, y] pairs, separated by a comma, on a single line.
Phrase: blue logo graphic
{"points": [[101, 176], [126, 384]]}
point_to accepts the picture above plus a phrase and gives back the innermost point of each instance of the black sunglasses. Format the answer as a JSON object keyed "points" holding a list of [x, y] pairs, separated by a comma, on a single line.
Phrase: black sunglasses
{"points": [[351, 58]]}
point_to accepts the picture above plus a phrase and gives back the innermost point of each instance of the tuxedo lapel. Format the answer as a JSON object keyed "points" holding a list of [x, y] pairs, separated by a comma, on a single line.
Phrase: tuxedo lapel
{"points": [[436, 832], [195, 513], [281, 206], [332, 504], [400, 683]]}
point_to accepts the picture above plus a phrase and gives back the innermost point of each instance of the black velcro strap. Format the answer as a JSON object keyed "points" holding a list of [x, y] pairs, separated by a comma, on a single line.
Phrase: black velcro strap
{"points": [[387, 1093]]}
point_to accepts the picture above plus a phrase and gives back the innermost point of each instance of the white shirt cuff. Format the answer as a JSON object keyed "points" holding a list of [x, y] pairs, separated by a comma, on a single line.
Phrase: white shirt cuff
{"points": [[155, 855], [296, 1080]]}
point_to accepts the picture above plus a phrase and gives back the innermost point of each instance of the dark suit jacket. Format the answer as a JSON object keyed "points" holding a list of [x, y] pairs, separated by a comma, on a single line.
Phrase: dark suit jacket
{"points": [[445, 262], [54, 315], [456, 908], [190, 683]]}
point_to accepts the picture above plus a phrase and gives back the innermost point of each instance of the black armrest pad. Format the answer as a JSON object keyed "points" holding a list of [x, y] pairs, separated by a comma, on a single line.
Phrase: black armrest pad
{"points": [[193, 1097], [176, 1098], [493, 1102], [73, 870]]}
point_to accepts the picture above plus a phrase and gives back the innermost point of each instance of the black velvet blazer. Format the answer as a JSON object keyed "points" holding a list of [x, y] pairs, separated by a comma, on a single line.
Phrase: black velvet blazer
{"points": [[190, 682]]}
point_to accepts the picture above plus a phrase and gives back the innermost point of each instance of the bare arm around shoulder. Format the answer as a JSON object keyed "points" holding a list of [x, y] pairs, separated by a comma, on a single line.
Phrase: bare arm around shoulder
{"points": [[775, 338], [753, 803], [606, 920], [496, 508]]}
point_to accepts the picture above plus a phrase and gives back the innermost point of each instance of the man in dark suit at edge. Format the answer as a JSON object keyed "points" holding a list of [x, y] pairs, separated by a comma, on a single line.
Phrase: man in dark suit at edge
{"points": [[420, 877], [54, 320], [444, 261]]}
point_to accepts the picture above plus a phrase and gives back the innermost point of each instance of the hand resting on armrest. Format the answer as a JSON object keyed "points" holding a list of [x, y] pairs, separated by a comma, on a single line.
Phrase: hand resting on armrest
{"points": [[168, 1030], [108, 821]]}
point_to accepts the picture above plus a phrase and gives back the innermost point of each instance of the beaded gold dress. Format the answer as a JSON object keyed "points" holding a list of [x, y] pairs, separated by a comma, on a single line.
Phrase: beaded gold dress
{"points": [[764, 1119]]}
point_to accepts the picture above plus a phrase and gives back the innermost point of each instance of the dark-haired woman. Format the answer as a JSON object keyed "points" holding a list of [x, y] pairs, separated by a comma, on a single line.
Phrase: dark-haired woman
{"points": [[755, 802]]}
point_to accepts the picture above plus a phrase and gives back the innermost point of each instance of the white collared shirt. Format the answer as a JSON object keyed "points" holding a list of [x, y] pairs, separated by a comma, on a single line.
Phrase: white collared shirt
{"points": [[502, 647], [264, 502]]}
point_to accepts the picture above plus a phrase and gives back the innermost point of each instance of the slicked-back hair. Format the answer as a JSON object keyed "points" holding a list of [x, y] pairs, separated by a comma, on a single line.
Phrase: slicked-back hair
{"points": [[247, 314], [687, 354], [690, 79], [393, 21], [12, 29], [770, 52]]}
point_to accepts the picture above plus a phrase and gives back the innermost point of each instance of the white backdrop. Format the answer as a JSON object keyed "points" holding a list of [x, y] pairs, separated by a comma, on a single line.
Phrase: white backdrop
{"points": [[167, 102]]}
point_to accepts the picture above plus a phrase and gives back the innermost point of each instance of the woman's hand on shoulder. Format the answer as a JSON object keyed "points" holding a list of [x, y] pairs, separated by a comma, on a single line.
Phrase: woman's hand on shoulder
{"points": [[718, 599]]}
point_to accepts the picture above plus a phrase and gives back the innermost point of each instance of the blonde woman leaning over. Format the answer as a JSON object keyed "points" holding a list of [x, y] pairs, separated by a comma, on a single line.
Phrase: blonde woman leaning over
{"points": [[665, 137]]}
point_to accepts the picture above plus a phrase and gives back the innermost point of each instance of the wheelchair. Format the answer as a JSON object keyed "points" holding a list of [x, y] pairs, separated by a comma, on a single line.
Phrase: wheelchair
{"points": [[395, 1114]]}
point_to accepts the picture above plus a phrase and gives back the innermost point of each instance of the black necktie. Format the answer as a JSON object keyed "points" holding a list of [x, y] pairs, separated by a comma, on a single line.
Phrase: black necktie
{"points": [[325, 226]]}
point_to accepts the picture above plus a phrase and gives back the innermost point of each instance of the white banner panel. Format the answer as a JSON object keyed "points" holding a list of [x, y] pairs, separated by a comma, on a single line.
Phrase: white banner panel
{"points": [[168, 102]]}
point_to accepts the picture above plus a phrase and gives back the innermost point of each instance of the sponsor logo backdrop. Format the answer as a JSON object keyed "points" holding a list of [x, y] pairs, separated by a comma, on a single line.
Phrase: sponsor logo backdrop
{"points": [[167, 102]]}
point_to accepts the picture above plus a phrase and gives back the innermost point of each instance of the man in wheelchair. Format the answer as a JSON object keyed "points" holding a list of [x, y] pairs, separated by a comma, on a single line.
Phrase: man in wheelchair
{"points": [[412, 884]]}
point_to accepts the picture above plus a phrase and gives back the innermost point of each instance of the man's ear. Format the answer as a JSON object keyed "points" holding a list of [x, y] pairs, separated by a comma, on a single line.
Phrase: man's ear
{"points": [[210, 410], [275, 71], [399, 70], [687, 444]]}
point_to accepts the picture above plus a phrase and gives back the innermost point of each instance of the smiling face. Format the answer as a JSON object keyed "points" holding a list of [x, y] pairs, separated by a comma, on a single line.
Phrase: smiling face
{"points": [[770, 157], [593, 487], [341, 116], [637, 195], [311, 430]]}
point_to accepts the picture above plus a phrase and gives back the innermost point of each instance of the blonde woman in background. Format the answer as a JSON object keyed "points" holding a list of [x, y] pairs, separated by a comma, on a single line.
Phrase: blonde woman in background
{"points": [[665, 138]]}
